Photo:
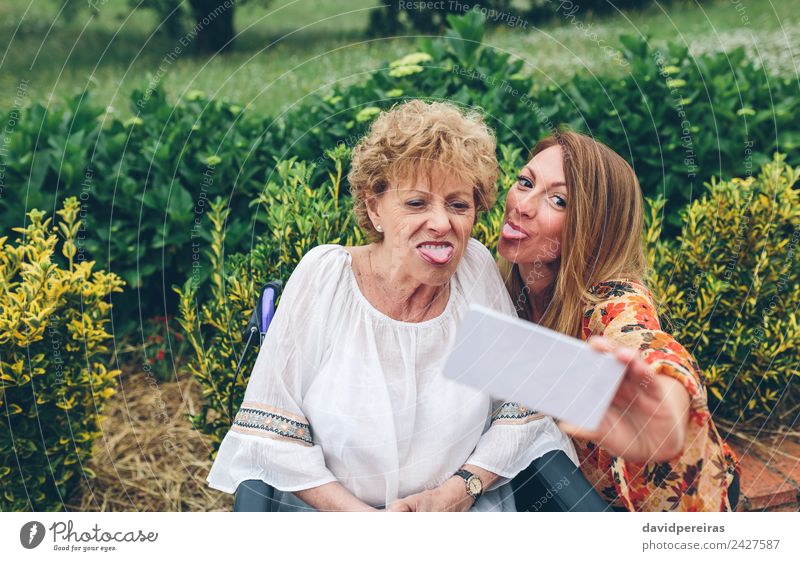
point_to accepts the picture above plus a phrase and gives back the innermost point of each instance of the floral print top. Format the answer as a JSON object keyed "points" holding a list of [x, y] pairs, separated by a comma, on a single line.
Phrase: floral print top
{"points": [[698, 479]]}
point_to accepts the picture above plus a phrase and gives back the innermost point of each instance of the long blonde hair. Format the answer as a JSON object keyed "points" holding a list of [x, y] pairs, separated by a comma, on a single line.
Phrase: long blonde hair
{"points": [[603, 232]]}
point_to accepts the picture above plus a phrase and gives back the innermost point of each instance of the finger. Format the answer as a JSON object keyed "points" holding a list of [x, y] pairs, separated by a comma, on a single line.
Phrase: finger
{"points": [[637, 368], [601, 344], [630, 386], [626, 394], [625, 354], [399, 506], [576, 431]]}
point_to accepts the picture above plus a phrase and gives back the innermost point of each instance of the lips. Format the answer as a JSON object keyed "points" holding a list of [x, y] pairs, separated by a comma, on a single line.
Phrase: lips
{"points": [[437, 253], [512, 232]]}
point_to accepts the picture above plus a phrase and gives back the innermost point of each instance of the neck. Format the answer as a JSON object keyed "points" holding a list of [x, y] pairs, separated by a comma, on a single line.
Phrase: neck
{"points": [[538, 279], [402, 297]]}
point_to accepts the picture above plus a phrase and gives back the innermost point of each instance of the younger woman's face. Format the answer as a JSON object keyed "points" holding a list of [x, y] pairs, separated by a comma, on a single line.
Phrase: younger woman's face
{"points": [[536, 210]]}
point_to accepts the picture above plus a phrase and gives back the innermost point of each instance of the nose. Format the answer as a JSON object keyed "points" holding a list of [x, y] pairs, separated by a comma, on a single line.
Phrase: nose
{"points": [[523, 205], [438, 220]]}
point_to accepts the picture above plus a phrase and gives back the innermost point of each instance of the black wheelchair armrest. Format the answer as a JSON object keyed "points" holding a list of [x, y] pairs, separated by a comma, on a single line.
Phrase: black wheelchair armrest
{"points": [[254, 495], [552, 483]]}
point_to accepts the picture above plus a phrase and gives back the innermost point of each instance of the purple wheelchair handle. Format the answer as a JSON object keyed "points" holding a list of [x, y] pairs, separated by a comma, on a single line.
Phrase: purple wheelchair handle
{"points": [[267, 309]]}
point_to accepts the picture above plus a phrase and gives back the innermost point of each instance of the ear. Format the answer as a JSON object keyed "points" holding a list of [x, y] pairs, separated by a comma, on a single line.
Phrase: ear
{"points": [[373, 204]]}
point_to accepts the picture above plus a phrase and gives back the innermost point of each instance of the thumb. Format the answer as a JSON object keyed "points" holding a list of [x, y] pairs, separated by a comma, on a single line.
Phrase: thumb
{"points": [[576, 431]]}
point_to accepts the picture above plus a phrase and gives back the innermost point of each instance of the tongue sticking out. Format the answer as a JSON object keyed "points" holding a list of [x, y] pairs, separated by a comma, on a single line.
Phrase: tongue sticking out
{"points": [[512, 234], [437, 254]]}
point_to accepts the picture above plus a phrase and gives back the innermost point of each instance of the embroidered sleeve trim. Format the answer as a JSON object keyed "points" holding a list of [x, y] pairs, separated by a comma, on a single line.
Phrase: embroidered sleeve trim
{"points": [[272, 422], [514, 413]]}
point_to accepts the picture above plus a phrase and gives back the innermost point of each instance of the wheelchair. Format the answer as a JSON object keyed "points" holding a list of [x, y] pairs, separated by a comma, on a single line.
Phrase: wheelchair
{"points": [[552, 483]]}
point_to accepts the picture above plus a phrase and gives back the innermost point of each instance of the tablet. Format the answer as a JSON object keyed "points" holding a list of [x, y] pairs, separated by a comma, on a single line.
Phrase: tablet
{"points": [[519, 361]]}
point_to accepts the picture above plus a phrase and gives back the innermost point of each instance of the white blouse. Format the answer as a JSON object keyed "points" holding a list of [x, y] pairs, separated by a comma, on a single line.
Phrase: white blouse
{"points": [[342, 392]]}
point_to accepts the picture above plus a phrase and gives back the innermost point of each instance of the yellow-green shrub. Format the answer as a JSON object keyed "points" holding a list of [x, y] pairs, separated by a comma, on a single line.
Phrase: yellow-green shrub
{"points": [[730, 287], [53, 358]]}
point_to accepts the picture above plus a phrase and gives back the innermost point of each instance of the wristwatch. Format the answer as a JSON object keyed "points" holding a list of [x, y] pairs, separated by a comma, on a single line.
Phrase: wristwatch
{"points": [[473, 483]]}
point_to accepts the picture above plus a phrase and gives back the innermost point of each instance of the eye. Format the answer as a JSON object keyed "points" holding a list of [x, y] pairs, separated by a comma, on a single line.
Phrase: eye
{"points": [[460, 206], [415, 203], [559, 201], [524, 182]]}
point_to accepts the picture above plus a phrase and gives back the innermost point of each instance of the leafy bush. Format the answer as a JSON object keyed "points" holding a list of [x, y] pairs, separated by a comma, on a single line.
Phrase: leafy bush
{"points": [[155, 174], [53, 359], [46, 153], [681, 120], [730, 284], [145, 182], [456, 67]]}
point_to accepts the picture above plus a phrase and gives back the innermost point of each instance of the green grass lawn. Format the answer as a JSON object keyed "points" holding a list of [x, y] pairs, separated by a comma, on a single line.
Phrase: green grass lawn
{"points": [[296, 47]]}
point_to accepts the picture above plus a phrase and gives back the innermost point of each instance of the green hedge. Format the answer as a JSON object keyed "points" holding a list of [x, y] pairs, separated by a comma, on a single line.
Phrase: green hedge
{"points": [[145, 182], [297, 216]]}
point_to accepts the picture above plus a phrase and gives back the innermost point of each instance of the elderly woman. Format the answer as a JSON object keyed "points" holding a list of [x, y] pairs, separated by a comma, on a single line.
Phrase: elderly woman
{"points": [[346, 408]]}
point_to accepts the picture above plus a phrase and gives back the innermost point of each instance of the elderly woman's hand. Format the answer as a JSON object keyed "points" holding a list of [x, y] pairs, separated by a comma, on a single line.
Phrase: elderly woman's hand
{"points": [[648, 416], [451, 496]]}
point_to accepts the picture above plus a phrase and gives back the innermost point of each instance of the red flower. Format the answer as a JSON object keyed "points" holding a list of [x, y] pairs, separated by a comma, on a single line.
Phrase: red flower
{"points": [[692, 503], [160, 354], [611, 311], [646, 318], [585, 330]]}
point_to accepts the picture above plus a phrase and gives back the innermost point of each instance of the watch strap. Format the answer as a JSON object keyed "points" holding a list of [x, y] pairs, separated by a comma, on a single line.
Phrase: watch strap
{"points": [[466, 475]]}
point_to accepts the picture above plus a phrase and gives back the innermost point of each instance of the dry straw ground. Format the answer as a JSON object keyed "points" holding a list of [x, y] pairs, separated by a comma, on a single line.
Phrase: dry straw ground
{"points": [[149, 457]]}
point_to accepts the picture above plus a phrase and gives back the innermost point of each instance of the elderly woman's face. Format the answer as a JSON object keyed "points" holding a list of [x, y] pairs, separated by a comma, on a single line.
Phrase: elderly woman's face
{"points": [[426, 224]]}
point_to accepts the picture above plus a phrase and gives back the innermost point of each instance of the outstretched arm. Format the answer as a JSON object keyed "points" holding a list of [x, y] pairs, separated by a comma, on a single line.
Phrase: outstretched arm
{"points": [[649, 415]]}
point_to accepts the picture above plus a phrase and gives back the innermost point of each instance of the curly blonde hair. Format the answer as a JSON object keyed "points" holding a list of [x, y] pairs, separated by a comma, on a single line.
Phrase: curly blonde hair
{"points": [[415, 138]]}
